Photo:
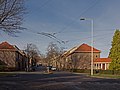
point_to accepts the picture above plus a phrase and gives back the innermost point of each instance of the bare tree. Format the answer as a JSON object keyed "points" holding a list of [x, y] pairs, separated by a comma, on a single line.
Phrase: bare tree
{"points": [[11, 15], [32, 51], [33, 54], [53, 54]]}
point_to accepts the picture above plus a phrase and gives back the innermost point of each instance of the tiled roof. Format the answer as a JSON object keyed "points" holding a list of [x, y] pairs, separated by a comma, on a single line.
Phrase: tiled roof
{"points": [[81, 48], [6, 45], [67, 53], [86, 48], [103, 60]]}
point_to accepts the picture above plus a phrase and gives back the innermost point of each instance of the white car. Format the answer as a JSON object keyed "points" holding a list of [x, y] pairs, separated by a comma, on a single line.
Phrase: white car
{"points": [[53, 68]]}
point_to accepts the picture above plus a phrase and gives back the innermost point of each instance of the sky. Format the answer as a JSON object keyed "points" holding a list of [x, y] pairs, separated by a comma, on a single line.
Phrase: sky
{"points": [[61, 18]]}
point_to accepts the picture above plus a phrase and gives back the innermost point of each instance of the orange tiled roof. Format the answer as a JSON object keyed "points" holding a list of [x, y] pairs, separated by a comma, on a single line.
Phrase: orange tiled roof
{"points": [[86, 48], [102, 60], [6, 45], [67, 53], [81, 48]]}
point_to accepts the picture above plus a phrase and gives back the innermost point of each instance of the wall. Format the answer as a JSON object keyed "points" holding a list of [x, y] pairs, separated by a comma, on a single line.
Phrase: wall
{"points": [[21, 61], [8, 57], [81, 60]]}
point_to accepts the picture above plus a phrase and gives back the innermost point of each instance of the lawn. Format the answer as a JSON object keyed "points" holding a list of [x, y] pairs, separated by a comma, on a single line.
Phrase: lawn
{"points": [[107, 76], [7, 74]]}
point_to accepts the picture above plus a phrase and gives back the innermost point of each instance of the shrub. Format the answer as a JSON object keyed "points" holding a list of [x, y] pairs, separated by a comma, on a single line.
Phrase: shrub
{"points": [[106, 71], [117, 72], [3, 68], [82, 70]]}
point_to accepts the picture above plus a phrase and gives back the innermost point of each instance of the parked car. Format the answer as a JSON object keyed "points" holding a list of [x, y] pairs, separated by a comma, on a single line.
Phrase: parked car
{"points": [[33, 68], [49, 67], [53, 68]]}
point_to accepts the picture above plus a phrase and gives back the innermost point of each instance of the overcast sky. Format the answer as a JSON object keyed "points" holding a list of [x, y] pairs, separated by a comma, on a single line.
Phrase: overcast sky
{"points": [[62, 18]]}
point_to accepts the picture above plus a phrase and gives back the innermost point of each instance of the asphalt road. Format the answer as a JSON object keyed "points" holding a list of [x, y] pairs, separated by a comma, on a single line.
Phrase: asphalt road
{"points": [[56, 81]]}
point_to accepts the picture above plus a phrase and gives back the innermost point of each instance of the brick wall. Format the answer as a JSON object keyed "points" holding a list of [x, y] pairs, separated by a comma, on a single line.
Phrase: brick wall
{"points": [[8, 57], [80, 60]]}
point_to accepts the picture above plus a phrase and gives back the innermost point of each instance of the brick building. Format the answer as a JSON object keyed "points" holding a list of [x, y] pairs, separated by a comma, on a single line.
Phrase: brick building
{"points": [[12, 56], [79, 57], [102, 63]]}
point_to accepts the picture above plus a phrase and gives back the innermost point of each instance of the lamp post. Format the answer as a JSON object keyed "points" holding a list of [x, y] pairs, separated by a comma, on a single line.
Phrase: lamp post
{"points": [[91, 43]]}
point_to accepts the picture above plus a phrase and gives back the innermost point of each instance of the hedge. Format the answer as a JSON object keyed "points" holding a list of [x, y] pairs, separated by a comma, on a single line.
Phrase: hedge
{"points": [[82, 70], [3, 68], [117, 72]]}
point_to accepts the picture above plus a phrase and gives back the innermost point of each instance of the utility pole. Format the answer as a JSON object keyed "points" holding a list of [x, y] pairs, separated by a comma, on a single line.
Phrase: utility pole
{"points": [[27, 58], [92, 57]]}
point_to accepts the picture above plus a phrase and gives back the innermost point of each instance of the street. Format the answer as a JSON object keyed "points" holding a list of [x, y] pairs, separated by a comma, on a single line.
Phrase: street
{"points": [[57, 81]]}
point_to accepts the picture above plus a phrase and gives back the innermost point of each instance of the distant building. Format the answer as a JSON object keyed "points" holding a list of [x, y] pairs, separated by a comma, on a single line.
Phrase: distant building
{"points": [[102, 63], [79, 57], [12, 56]]}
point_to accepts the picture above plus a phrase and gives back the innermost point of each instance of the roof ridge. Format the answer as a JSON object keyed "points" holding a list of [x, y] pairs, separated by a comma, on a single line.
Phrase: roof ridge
{"points": [[86, 48], [6, 45]]}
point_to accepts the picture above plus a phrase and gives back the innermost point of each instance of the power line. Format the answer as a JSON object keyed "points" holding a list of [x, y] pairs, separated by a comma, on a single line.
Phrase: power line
{"points": [[96, 30], [93, 37], [52, 36], [86, 9], [49, 35]]}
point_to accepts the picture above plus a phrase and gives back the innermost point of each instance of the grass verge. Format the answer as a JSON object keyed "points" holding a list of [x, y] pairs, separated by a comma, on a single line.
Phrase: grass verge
{"points": [[107, 76], [7, 74]]}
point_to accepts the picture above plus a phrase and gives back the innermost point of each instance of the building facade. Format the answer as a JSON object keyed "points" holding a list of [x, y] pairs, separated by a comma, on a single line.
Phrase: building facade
{"points": [[102, 63], [12, 56], [79, 57]]}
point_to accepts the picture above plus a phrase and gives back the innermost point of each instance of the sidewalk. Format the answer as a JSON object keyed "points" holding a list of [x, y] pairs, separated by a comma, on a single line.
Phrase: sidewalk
{"points": [[22, 72]]}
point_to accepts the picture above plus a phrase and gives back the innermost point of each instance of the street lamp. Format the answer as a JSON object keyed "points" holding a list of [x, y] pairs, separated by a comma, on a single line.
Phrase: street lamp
{"points": [[91, 43]]}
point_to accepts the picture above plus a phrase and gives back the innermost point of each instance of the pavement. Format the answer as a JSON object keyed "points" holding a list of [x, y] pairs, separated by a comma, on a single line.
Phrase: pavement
{"points": [[56, 81]]}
